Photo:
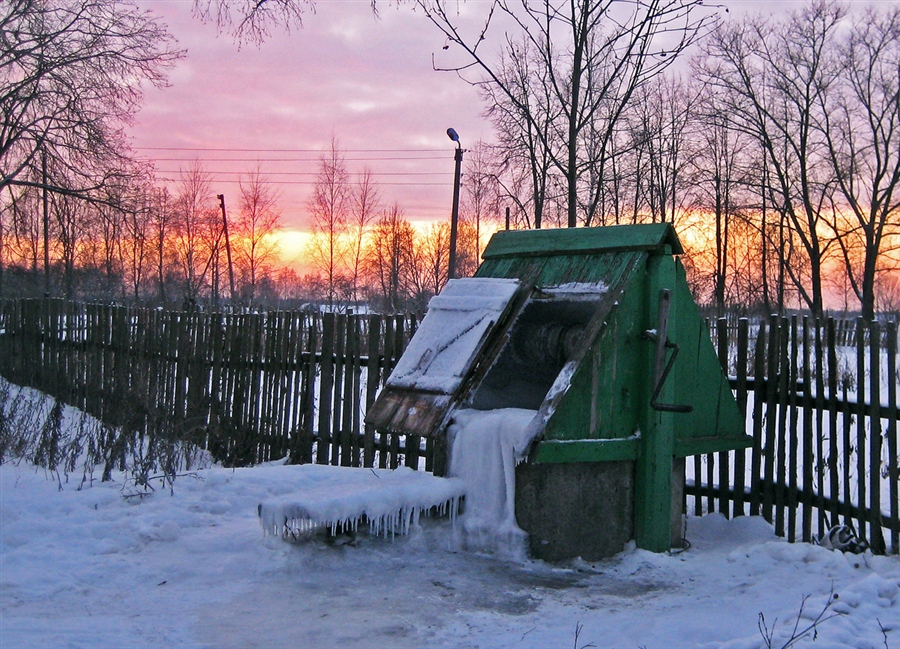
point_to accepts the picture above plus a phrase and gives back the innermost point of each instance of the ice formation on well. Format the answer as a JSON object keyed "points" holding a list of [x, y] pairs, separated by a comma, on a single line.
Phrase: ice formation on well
{"points": [[485, 447], [391, 502]]}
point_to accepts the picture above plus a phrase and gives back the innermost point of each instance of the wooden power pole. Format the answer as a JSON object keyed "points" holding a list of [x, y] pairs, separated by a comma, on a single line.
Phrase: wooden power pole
{"points": [[227, 245]]}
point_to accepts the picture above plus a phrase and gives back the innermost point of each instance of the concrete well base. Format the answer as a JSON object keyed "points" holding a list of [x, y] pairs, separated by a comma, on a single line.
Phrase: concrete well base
{"points": [[585, 509], [581, 509]]}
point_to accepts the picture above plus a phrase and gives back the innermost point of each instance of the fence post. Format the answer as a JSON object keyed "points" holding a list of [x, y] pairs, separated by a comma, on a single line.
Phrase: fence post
{"points": [[874, 462]]}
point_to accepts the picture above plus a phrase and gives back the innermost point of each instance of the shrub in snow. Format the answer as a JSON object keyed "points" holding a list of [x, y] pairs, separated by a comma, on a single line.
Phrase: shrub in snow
{"points": [[41, 430]]}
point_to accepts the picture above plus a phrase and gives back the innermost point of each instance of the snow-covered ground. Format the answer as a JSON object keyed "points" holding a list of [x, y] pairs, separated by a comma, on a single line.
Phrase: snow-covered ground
{"points": [[192, 568]]}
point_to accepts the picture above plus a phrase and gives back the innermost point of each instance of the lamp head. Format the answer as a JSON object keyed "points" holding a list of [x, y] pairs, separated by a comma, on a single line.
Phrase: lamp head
{"points": [[452, 134]]}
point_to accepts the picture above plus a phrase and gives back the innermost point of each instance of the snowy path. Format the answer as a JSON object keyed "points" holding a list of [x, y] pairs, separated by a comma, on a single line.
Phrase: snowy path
{"points": [[91, 569]]}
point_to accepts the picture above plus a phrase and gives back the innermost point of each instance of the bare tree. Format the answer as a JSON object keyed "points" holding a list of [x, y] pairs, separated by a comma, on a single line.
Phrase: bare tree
{"points": [[480, 196], [590, 58], [328, 209], [253, 21], [774, 78], [255, 232], [135, 247], [888, 292], [72, 220], [468, 249], [565, 73], [861, 128], [162, 223], [71, 74], [23, 229], [522, 116], [434, 250], [389, 255], [364, 205], [659, 118], [718, 179], [195, 231]]}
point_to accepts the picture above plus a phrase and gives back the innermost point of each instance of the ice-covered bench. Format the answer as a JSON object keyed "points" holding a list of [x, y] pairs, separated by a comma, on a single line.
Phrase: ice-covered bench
{"points": [[335, 498]]}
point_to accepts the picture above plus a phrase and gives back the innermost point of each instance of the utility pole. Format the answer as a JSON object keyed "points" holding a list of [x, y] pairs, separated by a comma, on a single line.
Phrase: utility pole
{"points": [[227, 245], [454, 217]]}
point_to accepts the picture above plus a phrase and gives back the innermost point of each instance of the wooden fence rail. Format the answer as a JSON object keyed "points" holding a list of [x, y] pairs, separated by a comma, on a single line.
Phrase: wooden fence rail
{"points": [[822, 408]]}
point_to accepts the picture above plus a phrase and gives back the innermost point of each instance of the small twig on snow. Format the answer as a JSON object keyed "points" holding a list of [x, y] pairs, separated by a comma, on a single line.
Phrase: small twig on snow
{"points": [[578, 628], [883, 633], [797, 634]]}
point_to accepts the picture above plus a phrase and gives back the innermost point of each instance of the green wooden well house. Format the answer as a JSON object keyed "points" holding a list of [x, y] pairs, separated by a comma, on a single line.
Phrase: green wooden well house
{"points": [[596, 330]]}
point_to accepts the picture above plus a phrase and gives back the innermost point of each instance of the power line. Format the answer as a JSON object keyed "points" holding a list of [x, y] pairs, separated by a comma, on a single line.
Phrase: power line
{"points": [[308, 183], [276, 160], [319, 151], [151, 159], [309, 173]]}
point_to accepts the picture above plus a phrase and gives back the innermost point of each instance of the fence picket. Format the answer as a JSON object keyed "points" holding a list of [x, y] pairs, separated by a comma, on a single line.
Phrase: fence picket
{"points": [[326, 384], [740, 456], [808, 443], [768, 492], [891, 433], [338, 397], [820, 433], [834, 452], [722, 457], [389, 339], [372, 383], [784, 378], [759, 374], [349, 439], [308, 394], [861, 429], [874, 461], [793, 441]]}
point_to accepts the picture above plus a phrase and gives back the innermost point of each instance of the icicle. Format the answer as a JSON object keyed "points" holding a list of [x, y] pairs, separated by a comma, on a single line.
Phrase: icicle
{"points": [[485, 449]]}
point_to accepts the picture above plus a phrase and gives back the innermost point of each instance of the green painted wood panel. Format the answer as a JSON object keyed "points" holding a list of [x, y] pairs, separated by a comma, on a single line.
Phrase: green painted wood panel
{"points": [[593, 450], [697, 375], [560, 269], [606, 393], [653, 470]]}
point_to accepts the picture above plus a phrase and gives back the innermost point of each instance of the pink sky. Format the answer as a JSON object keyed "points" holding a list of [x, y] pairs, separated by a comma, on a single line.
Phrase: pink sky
{"points": [[366, 82]]}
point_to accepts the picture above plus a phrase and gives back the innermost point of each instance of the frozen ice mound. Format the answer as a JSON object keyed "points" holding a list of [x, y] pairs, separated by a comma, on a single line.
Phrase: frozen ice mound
{"points": [[391, 502]]}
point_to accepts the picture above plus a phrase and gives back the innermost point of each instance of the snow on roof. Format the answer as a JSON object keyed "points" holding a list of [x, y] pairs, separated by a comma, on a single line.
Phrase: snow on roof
{"points": [[451, 333], [573, 289], [328, 496]]}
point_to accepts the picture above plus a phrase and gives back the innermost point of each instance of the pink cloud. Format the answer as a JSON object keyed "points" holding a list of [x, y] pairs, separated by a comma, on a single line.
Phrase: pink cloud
{"points": [[368, 82]]}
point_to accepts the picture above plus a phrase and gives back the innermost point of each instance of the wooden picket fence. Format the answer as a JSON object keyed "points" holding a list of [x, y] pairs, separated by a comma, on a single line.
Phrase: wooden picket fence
{"points": [[249, 387], [821, 405], [820, 399]]}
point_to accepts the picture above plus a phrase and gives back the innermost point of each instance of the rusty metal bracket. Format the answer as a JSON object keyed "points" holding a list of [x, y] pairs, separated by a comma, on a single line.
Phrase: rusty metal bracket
{"points": [[661, 366]]}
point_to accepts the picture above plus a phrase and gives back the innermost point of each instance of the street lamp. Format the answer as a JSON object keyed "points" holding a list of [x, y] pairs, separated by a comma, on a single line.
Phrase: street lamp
{"points": [[454, 217]]}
